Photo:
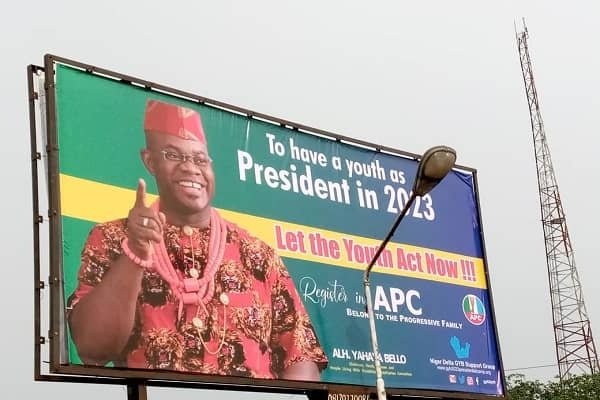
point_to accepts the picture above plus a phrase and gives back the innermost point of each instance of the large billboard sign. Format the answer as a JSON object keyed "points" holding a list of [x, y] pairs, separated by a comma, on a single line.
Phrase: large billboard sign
{"points": [[200, 241]]}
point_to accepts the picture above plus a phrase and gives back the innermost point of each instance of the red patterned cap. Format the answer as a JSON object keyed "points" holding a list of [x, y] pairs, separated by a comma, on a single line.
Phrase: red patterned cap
{"points": [[173, 120]]}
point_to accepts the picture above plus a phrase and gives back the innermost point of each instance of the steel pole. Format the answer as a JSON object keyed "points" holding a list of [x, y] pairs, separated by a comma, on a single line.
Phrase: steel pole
{"points": [[366, 281]]}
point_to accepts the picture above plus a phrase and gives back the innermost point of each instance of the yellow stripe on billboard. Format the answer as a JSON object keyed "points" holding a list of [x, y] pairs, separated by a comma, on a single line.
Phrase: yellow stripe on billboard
{"points": [[98, 202]]}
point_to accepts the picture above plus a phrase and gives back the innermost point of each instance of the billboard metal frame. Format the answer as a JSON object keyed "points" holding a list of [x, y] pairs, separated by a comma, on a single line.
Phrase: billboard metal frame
{"points": [[136, 380]]}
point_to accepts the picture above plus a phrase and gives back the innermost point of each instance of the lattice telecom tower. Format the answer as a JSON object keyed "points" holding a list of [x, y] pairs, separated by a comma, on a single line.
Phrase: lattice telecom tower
{"points": [[575, 349]]}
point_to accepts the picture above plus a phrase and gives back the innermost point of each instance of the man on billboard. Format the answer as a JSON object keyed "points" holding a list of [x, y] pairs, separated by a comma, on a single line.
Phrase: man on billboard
{"points": [[175, 286]]}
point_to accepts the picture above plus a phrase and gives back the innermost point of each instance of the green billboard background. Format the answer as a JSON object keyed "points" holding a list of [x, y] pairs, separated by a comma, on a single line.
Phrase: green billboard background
{"points": [[100, 136]]}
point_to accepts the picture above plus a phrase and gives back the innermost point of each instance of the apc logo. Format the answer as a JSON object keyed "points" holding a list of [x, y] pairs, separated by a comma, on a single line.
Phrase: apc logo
{"points": [[473, 309]]}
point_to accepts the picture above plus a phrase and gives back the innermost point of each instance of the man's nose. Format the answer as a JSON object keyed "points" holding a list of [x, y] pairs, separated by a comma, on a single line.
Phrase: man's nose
{"points": [[188, 165]]}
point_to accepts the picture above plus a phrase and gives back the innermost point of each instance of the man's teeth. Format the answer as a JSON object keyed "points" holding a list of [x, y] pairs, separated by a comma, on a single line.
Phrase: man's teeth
{"points": [[190, 184]]}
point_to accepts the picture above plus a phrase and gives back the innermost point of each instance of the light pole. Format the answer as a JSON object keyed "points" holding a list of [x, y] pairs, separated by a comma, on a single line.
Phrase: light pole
{"points": [[433, 167]]}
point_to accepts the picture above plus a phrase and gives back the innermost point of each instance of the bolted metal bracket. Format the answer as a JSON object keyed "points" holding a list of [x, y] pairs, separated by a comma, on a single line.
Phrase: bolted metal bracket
{"points": [[51, 148]]}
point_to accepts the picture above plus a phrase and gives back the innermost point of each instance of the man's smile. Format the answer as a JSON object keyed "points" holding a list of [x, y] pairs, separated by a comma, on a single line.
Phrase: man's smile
{"points": [[191, 184]]}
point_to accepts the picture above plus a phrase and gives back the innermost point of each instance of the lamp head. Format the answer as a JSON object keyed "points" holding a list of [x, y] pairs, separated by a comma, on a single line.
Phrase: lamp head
{"points": [[433, 167]]}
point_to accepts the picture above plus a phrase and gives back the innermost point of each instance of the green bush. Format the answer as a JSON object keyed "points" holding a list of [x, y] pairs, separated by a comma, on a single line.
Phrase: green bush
{"points": [[580, 387]]}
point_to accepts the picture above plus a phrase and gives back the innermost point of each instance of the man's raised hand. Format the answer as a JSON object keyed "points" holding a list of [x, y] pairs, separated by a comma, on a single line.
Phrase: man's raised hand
{"points": [[144, 225]]}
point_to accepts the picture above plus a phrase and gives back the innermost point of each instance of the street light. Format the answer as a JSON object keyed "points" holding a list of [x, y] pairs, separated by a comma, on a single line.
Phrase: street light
{"points": [[433, 167]]}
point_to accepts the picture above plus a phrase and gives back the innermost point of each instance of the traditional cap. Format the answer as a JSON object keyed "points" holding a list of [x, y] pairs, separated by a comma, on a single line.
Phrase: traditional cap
{"points": [[173, 120]]}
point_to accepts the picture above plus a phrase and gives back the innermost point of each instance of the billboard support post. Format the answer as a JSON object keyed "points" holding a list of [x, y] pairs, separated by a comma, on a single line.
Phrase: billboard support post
{"points": [[433, 167], [38, 285], [136, 390]]}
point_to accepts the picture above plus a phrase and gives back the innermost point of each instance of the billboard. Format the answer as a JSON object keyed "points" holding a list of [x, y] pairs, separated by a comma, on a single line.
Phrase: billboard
{"points": [[200, 241]]}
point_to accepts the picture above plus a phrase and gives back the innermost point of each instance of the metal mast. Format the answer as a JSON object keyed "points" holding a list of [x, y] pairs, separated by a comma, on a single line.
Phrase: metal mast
{"points": [[575, 349]]}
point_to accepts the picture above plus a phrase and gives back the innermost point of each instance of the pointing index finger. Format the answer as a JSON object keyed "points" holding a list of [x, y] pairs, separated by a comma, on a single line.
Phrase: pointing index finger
{"points": [[140, 194]]}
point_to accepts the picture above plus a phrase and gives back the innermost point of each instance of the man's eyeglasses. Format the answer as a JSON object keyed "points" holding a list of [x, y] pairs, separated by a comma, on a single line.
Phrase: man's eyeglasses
{"points": [[201, 160]]}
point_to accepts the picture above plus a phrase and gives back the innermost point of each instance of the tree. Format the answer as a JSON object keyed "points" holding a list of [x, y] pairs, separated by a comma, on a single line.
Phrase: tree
{"points": [[521, 389], [580, 387]]}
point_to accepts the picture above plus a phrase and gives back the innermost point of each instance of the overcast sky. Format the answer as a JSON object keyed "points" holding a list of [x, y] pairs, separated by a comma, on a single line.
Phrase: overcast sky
{"points": [[404, 74]]}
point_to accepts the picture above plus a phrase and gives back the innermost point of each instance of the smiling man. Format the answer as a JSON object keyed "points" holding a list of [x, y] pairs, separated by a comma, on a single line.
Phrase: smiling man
{"points": [[174, 286]]}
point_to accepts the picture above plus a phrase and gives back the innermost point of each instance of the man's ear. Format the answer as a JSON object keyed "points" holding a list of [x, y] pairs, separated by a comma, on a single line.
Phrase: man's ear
{"points": [[148, 161]]}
